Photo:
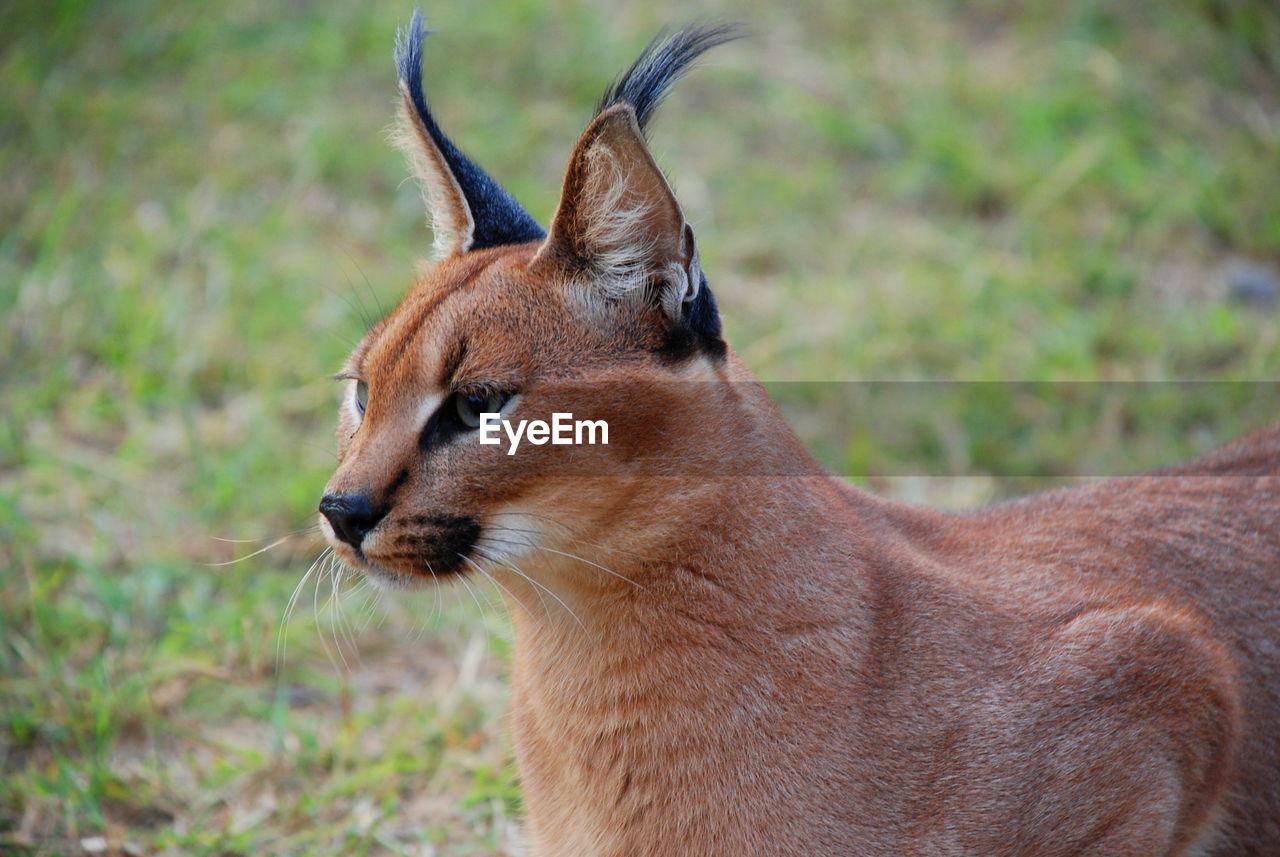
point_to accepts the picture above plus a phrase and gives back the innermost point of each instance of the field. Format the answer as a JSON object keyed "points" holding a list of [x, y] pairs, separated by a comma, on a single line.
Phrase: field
{"points": [[199, 216]]}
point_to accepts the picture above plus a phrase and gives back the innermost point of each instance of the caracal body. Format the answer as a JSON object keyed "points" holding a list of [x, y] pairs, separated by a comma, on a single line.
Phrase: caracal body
{"points": [[723, 652]]}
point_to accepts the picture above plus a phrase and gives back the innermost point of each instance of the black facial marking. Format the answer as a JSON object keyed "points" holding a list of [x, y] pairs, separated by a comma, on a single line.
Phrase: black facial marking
{"points": [[442, 426], [442, 546], [434, 520], [431, 431], [395, 485], [453, 359]]}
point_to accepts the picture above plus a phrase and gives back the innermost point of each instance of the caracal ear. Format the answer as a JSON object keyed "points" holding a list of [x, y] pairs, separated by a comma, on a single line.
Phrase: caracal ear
{"points": [[452, 226], [618, 223], [467, 208]]}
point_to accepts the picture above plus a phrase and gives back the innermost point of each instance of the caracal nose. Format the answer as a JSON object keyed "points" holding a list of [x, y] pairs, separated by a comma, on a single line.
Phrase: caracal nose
{"points": [[352, 516]]}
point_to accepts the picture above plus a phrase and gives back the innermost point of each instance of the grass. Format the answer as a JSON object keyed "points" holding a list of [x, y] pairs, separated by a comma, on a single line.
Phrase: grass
{"points": [[199, 215]]}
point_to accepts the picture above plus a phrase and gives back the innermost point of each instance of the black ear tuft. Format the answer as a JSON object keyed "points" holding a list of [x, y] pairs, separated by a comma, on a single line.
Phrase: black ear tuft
{"points": [[499, 219], [663, 62]]}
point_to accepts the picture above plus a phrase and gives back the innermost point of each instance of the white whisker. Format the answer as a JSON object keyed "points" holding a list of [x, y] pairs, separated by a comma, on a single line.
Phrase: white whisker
{"points": [[261, 550], [574, 556], [488, 577], [311, 529], [483, 617], [293, 601], [535, 583], [339, 663], [567, 529], [337, 610]]}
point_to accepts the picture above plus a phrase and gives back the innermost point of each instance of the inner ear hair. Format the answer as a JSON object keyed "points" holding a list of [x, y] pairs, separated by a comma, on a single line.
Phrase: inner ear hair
{"points": [[618, 220], [452, 225]]}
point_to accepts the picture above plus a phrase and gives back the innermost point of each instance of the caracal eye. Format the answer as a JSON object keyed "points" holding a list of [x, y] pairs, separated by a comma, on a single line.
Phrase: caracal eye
{"points": [[362, 396], [469, 407]]}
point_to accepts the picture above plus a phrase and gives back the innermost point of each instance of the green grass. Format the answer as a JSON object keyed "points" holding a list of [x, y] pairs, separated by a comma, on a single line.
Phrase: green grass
{"points": [[199, 213]]}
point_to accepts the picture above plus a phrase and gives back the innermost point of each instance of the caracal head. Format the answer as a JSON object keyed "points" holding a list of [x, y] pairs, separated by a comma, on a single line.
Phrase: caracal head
{"points": [[602, 317]]}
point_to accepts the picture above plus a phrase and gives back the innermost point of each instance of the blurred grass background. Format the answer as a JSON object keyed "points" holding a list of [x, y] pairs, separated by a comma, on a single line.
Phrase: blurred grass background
{"points": [[199, 214]]}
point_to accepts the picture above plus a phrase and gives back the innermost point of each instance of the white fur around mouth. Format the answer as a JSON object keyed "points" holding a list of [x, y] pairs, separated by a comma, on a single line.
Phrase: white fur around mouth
{"points": [[391, 579]]}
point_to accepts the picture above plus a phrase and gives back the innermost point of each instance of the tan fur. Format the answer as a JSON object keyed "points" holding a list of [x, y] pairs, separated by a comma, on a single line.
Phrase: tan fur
{"points": [[785, 665]]}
